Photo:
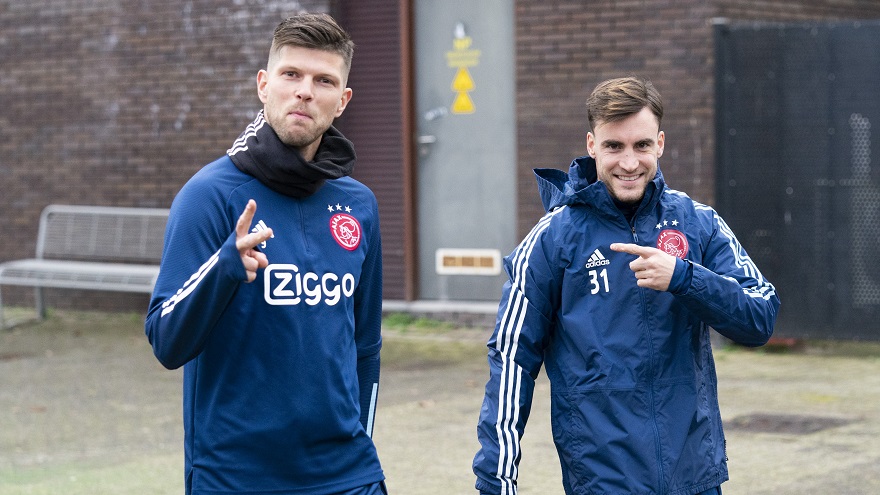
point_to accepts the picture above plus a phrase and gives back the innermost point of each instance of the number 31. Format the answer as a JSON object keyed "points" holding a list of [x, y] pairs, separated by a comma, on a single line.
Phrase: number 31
{"points": [[594, 280]]}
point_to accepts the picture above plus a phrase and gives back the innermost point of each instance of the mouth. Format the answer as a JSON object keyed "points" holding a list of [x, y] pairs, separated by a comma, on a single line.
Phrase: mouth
{"points": [[628, 178], [299, 114]]}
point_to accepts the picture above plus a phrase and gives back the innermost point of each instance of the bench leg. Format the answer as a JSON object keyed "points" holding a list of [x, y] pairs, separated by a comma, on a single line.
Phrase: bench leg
{"points": [[40, 310], [2, 320], [39, 303]]}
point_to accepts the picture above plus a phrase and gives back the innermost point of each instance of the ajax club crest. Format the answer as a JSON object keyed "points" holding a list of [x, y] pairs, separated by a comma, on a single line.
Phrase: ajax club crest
{"points": [[346, 230], [673, 242]]}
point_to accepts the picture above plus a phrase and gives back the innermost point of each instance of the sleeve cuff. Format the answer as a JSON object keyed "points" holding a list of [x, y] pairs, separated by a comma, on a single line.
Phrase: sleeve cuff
{"points": [[681, 277]]}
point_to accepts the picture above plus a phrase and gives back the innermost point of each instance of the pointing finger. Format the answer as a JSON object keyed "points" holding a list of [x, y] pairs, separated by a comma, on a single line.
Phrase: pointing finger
{"points": [[244, 220], [635, 249]]}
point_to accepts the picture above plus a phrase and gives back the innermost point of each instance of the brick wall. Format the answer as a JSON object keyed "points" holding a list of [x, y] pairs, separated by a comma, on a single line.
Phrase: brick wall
{"points": [[565, 47], [119, 102]]}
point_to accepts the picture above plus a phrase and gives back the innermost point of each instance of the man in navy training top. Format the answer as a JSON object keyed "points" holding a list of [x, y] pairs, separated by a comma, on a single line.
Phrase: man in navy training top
{"points": [[275, 313], [613, 292]]}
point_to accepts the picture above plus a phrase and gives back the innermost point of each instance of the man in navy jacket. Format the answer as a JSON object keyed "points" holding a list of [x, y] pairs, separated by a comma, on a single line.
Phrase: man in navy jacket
{"points": [[275, 313], [614, 291]]}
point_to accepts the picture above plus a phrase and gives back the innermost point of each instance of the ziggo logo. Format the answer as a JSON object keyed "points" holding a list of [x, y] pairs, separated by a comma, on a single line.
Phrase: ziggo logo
{"points": [[285, 285]]}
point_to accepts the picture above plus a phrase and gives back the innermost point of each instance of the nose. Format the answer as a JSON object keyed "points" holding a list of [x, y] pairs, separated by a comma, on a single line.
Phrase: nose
{"points": [[628, 161], [303, 90]]}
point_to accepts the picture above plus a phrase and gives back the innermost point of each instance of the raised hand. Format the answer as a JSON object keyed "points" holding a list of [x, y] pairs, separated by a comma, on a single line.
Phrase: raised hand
{"points": [[246, 241]]}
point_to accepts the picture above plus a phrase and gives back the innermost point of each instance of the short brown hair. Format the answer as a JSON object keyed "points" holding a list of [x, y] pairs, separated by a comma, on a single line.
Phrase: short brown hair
{"points": [[617, 99], [315, 31]]}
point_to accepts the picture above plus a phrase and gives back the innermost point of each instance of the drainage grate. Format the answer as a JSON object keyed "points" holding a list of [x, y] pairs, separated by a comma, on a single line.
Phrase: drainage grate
{"points": [[793, 424]]}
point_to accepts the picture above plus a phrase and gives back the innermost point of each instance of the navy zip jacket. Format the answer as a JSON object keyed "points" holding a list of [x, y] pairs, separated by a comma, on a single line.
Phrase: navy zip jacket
{"points": [[633, 385], [280, 374]]}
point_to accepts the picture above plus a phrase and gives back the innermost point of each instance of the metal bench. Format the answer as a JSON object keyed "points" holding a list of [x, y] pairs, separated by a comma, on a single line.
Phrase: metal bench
{"points": [[93, 248]]}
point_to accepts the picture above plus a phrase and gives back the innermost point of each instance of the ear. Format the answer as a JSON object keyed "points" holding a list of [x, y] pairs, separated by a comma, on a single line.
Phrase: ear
{"points": [[262, 81], [661, 141], [591, 144], [343, 101]]}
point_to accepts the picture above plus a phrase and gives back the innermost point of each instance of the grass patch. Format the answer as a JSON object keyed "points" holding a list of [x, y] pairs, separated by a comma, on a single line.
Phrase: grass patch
{"points": [[812, 347], [158, 475], [848, 348], [407, 323], [431, 353], [416, 342]]}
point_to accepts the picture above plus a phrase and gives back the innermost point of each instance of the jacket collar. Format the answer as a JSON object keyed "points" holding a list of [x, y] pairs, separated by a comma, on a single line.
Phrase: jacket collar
{"points": [[580, 186]]}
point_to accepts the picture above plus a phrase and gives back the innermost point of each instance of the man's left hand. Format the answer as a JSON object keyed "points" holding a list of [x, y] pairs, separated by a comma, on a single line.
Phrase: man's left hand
{"points": [[653, 267]]}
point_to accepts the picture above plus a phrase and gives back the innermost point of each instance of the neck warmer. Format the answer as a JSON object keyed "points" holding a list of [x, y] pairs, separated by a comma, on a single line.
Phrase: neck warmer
{"points": [[259, 152], [628, 209]]}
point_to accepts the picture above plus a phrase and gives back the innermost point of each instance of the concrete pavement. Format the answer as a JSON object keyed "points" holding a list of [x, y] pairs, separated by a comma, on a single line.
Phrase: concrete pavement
{"points": [[86, 409]]}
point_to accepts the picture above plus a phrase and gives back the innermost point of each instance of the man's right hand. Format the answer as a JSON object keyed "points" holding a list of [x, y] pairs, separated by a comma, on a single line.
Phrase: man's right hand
{"points": [[246, 241]]}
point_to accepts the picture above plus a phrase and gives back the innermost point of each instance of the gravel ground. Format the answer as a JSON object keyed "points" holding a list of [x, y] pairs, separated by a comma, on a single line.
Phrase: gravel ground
{"points": [[86, 409]]}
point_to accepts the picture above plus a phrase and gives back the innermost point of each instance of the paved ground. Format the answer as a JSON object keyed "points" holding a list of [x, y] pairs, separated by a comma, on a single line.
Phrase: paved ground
{"points": [[85, 409]]}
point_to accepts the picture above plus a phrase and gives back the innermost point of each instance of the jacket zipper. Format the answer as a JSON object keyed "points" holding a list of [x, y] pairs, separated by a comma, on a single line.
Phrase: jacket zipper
{"points": [[651, 363], [302, 224]]}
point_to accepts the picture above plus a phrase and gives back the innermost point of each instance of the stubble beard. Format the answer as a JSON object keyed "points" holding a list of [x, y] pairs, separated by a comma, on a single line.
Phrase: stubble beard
{"points": [[297, 140], [293, 135], [628, 201], [613, 192]]}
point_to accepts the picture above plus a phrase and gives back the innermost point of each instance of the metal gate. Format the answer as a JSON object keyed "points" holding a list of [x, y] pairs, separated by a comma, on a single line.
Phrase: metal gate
{"points": [[797, 106]]}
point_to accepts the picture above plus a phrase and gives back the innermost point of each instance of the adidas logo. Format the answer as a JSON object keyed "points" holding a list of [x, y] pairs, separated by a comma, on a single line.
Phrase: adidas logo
{"points": [[259, 227], [596, 259]]}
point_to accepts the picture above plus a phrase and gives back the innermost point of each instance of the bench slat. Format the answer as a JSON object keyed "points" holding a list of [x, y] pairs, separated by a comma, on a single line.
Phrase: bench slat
{"points": [[80, 275], [102, 233]]}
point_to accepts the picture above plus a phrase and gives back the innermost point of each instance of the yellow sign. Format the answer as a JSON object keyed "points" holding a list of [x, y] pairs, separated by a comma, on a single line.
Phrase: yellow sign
{"points": [[462, 104], [462, 57], [462, 81]]}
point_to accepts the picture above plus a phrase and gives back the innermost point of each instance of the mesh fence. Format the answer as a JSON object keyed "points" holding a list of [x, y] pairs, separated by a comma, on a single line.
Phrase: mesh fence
{"points": [[796, 179]]}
